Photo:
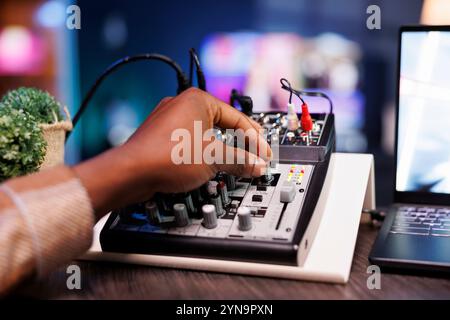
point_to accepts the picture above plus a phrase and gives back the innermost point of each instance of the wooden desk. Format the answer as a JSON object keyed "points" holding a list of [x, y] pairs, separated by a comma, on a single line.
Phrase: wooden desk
{"points": [[116, 281]]}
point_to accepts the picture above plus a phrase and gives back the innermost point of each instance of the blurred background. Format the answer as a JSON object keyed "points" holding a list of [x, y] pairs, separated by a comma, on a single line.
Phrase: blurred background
{"points": [[245, 44]]}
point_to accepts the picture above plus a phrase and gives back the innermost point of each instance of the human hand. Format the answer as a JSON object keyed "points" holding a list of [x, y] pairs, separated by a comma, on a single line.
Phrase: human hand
{"points": [[145, 164]]}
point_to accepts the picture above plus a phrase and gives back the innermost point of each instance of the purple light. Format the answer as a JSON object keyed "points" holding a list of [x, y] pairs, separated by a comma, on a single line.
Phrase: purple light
{"points": [[20, 51]]}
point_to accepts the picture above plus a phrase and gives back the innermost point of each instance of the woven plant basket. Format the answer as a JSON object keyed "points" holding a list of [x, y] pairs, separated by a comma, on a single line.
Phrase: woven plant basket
{"points": [[55, 136]]}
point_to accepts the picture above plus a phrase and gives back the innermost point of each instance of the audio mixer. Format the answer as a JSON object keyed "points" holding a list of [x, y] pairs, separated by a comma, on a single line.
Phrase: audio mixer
{"points": [[261, 219]]}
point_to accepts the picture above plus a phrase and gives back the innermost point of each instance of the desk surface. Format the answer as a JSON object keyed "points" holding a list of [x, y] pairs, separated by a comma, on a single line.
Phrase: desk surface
{"points": [[102, 280]]}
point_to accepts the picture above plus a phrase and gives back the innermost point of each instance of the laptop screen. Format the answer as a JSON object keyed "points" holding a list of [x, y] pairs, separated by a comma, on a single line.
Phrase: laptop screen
{"points": [[423, 136]]}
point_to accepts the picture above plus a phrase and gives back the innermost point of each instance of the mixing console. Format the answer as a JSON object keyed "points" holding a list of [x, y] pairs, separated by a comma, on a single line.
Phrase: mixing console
{"points": [[261, 219]]}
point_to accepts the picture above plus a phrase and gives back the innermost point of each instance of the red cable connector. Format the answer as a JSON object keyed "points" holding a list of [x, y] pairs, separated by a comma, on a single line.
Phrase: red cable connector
{"points": [[306, 120]]}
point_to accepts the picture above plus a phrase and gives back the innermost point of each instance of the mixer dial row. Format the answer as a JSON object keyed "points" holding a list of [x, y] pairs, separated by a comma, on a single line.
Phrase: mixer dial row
{"points": [[264, 208]]}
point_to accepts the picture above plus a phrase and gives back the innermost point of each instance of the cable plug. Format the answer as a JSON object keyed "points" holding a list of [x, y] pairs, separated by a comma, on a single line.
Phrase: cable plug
{"points": [[292, 119], [306, 120]]}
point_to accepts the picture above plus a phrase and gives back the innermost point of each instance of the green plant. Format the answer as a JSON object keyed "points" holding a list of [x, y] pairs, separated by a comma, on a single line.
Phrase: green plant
{"points": [[22, 145], [40, 104]]}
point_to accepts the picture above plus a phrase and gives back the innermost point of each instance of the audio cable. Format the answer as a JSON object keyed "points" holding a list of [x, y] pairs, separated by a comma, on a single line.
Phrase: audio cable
{"points": [[286, 85], [183, 82], [245, 103], [306, 121], [194, 60], [374, 217]]}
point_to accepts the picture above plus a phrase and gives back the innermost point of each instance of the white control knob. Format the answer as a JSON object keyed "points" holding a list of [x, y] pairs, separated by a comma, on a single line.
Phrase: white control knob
{"points": [[244, 219], [287, 192], [267, 177], [209, 216], [181, 214], [275, 145]]}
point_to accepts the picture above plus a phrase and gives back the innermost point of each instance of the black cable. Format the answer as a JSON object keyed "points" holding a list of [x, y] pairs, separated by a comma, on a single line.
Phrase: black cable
{"points": [[191, 69], [377, 215], [316, 94], [287, 86], [194, 60], [183, 83], [245, 102]]}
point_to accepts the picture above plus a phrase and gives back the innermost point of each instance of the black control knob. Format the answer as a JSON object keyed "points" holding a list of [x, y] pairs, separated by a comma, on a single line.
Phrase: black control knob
{"points": [[152, 210], [222, 190], [230, 181], [187, 199]]}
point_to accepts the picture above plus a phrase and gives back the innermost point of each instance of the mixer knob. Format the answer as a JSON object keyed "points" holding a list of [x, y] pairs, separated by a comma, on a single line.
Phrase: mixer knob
{"points": [[222, 190], [204, 193], [287, 192], [244, 218], [216, 200], [274, 144], [267, 177], [209, 216], [197, 200], [187, 199], [181, 214], [196, 196], [212, 187], [162, 202], [152, 212], [230, 181], [290, 136]]}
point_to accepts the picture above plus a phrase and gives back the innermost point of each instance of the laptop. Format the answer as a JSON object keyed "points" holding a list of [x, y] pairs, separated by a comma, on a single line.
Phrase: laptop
{"points": [[416, 232]]}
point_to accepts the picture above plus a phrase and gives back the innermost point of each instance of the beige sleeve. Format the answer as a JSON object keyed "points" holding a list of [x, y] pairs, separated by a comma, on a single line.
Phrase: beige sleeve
{"points": [[46, 220]]}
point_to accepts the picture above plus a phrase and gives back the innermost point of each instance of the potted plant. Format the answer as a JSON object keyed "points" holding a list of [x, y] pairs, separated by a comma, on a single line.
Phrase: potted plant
{"points": [[22, 145], [42, 108]]}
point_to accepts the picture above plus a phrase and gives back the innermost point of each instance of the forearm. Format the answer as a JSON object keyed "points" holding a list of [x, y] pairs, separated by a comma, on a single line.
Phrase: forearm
{"points": [[114, 179], [45, 219]]}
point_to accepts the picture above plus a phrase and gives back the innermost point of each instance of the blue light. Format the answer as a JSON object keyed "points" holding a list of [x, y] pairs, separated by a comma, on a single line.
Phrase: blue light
{"points": [[51, 14]]}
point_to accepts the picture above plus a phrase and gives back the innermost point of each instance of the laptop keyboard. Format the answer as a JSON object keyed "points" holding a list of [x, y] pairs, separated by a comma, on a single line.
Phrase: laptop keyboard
{"points": [[423, 221]]}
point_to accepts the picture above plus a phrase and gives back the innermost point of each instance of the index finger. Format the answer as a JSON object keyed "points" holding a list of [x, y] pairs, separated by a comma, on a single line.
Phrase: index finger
{"points": [[227, 117]]}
